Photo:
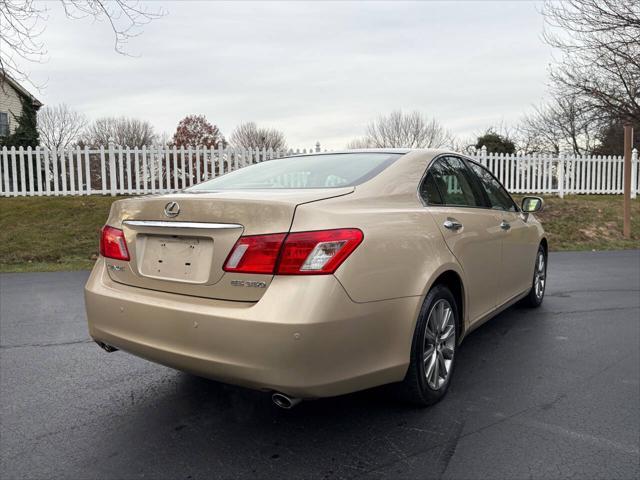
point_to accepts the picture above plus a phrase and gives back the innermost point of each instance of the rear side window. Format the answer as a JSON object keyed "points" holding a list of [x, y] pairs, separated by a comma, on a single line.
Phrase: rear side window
{"points": [[429, 191], [498, 196], [449, 183], [304, 171]]}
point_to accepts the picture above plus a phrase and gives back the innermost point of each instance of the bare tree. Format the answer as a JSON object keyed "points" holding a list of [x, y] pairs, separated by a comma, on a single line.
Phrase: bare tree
{"points": [[600, 45], [466, 144], [563, 125], [360, 143], [399, 129], [248, 135], [164, 139], [59, 126], [124, 131], [22, 23]]}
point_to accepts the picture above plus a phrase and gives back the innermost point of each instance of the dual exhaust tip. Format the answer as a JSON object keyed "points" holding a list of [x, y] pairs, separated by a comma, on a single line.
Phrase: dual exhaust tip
{"points": [[285, 401]]}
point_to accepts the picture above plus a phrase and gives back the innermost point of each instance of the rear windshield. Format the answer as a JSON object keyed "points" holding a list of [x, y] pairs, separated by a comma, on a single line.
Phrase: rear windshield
{"points": [[305, 171]]}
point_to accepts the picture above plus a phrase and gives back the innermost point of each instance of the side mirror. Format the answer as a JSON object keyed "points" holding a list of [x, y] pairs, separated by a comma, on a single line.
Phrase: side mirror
{"points": [[532, 204]]}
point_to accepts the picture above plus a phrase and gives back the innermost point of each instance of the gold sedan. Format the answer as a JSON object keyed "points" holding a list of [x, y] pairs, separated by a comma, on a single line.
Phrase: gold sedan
{"points": [[318, 275]]}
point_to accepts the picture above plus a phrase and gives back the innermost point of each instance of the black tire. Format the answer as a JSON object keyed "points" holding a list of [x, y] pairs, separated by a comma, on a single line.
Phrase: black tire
{"points": [[416, 388], [536, 295]]}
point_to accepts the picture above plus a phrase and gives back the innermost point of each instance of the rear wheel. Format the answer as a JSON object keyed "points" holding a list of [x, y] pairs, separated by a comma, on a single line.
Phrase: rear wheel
{"points": [[536, 294], [433, 349]]}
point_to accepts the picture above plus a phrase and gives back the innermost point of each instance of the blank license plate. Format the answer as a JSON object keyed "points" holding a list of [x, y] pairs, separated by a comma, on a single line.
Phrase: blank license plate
{"points": [[177, 258]]}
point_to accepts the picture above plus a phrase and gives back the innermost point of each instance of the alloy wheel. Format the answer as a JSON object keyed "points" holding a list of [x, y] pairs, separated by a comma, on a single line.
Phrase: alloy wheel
{"points": [[539, 279], [439, 344]]}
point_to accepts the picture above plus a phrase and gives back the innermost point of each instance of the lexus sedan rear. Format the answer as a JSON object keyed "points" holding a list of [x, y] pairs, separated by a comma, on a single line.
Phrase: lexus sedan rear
{"points": [[318, 275]]}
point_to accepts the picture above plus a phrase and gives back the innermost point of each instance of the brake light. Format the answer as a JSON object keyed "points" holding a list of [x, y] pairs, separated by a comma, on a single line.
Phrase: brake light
{"points": [[300, 253], [317, 253], [255, 254], [113, 244]]}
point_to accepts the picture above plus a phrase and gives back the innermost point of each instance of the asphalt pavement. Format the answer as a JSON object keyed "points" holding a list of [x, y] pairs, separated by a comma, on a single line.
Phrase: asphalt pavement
{"points": [[546, 393]]}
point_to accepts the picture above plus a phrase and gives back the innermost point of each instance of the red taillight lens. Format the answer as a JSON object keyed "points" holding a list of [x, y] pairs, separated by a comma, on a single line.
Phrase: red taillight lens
{"points": [[301, 253], [113, 244], [316, 253], [255, 254]]}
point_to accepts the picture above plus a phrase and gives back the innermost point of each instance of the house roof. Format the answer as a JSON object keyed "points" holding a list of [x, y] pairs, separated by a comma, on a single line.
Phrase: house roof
{"points": [[20, 89]]}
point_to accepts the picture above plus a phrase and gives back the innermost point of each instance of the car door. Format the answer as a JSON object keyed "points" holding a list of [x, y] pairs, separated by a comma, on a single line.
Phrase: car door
{"points": [[470, 230], [519, 239]]}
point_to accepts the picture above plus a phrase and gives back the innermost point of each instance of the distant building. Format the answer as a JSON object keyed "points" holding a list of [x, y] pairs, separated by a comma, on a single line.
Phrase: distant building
{"points": [[10, 105]]}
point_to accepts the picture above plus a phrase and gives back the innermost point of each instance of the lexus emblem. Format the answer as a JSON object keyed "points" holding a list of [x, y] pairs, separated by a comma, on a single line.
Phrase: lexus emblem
{"points": [[172, 209]]}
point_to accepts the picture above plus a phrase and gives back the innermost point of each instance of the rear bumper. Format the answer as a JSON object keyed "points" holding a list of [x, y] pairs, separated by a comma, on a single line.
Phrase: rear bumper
{"points": [[305, 337]]}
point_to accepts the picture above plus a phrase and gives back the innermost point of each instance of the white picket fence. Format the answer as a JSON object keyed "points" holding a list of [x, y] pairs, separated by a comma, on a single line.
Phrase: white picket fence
{"points": [[117, 170], [561, 175]]}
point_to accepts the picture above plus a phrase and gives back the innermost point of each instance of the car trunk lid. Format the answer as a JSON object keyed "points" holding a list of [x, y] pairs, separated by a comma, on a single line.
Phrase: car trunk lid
{"points": [[183, 250]]}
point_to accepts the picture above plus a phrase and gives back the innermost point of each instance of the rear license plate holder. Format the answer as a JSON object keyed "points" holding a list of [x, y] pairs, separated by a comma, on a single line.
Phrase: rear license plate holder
{"points": [[176, 258]]}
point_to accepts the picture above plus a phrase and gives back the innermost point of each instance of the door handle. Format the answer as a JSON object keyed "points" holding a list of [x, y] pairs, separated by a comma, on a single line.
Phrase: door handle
{"points": [[452, 225], [505, 225]]}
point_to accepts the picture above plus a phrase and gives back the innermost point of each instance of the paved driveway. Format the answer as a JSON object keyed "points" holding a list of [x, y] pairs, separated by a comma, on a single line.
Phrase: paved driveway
{"points": [[550, 393]]}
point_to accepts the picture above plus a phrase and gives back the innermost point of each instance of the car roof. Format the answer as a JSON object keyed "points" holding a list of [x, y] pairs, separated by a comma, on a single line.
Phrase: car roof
{"points": [[433, 151]]}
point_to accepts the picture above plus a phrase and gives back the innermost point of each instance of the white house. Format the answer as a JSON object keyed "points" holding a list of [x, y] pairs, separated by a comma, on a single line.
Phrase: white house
{"points": [[10, 105]]}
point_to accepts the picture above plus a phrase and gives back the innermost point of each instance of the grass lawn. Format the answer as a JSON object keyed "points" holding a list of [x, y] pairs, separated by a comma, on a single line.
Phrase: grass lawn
{"points": [[588, 222], [61, 233], [39, 234]]}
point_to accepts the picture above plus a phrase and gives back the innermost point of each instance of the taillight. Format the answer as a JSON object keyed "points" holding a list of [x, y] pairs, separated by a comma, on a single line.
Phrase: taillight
{"points": [[255, 254], [315, 253], [300, 253], [113, 244]]}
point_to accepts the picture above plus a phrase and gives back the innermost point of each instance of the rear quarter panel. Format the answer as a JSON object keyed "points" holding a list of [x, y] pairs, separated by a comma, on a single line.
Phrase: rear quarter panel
{"points": [[402, 252]]}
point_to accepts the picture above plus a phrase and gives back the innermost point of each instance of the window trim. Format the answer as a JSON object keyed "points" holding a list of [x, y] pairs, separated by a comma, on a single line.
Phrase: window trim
{"points": [[8, 125]]}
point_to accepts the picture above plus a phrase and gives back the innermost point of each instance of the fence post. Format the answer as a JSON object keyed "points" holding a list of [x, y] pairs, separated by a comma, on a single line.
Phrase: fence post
{"points": [[30, 179], [634, 172], [87, 169], [38, 172], [483, 155], [5, 171], [561, 175], [112, 167], [14, 172]]}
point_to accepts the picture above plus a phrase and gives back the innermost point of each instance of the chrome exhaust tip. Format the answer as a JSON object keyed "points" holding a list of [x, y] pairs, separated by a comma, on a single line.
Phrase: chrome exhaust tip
{"points": [[284, 401], [105, 347]]}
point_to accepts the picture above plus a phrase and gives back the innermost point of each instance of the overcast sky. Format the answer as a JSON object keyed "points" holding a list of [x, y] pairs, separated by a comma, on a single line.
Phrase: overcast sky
{"points": [[317, 71]]}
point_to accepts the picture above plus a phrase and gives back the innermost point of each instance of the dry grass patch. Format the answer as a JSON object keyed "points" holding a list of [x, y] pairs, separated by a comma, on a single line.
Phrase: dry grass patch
{"points": [[589, 222]]}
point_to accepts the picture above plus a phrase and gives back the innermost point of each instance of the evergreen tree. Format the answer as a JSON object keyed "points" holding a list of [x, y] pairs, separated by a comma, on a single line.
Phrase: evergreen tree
{"points": [[26, 133], [496, 143]]}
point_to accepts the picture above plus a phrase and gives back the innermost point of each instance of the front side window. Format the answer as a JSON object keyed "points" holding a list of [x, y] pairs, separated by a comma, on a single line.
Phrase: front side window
{"points": [[4, 124], [305, 171], [448, 182], [498, 196]]}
